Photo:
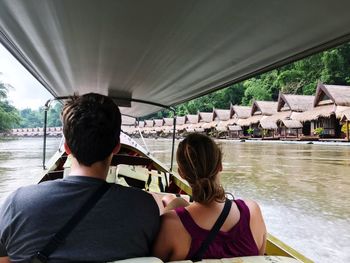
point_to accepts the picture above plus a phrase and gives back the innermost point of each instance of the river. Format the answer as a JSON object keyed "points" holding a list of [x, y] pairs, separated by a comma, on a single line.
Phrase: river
{"points": [[303, 190]]}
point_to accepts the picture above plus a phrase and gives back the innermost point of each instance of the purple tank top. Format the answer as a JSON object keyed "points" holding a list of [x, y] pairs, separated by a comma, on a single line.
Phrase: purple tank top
{"points": [[236, 242]]}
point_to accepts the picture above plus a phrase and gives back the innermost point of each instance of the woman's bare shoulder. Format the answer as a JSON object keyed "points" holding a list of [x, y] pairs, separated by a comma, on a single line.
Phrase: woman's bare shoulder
{"points": [[252, 205]]}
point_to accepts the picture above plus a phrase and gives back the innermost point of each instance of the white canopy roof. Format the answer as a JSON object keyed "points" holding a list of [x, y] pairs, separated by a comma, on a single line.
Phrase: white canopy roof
{"points": [[166, 52]]}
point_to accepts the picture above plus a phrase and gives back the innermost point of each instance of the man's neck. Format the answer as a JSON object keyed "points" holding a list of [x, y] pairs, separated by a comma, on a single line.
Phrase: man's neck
{"points": [[97, 170]]}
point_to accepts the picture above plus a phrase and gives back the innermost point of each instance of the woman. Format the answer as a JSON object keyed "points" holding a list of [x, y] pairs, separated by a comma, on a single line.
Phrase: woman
{"points": [[184, 230]]}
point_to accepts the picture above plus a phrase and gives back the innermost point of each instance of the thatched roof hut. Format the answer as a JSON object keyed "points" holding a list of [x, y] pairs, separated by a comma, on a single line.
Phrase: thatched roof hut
{"points": [[205, 117], [204, 120], [168, 125], [265, 108], [296, 103], [221, 115], [292, 124], [191, 118], [180, 120], [238, 115], [240, 112], [158, 124], [141, 124], [168, 121], [332, 94], [148, 128], [287, 106], [329, 100], [149, 123], [129, 129], [129, 121], [191, 122], [259, 110], [180, 123]]}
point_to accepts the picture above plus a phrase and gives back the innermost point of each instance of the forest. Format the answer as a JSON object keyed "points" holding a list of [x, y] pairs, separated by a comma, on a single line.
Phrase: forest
{"points": [[301, 77]]}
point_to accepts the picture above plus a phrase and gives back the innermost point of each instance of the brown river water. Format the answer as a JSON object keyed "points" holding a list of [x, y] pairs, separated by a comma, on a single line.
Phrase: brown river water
{"points": [[303, 190]]}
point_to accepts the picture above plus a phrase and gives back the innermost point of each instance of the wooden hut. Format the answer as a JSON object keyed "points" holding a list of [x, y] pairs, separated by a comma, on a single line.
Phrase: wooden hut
{"points": [[203, 119], [158, 126], [168, 125], [148, 129], [238, 115], [128, 125], [329, 104], [220, 122], [282, 123], [180, 124], [191, 120], [260, 110]]}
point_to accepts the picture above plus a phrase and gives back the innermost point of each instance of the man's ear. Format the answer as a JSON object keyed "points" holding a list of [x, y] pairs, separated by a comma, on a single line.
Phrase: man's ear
{"points": [[117, 148], [67, 149]]}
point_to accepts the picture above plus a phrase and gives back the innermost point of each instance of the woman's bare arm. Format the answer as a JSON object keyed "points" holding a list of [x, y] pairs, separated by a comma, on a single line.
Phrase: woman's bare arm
{"points": [[257, 225]]}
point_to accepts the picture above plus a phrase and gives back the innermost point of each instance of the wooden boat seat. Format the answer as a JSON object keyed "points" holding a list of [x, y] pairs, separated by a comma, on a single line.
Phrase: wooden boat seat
{"points": [[254, 259]]}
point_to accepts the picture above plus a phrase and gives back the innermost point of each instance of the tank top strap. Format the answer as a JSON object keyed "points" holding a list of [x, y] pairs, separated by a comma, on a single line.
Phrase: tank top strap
{"points": [[187, 221], [244, 212]]}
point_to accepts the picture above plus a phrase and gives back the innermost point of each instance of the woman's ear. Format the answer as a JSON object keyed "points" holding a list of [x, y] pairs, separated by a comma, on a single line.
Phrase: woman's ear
{"points": [[67, 149]]}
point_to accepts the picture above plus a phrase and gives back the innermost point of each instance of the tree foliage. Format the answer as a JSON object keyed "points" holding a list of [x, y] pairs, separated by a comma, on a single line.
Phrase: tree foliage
{"points": [[35, 118], [8, 114]]}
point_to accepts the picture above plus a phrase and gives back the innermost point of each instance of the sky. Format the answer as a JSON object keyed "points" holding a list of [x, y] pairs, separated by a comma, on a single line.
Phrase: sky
{"points": [[27, 92]]}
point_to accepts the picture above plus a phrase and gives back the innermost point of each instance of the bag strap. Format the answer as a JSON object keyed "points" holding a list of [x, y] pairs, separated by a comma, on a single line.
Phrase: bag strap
{"points": [[60, 237], [213, 232]]}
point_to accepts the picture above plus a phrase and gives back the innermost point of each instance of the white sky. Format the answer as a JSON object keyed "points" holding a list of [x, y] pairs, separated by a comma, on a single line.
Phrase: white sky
{"points": [[27, 92]]}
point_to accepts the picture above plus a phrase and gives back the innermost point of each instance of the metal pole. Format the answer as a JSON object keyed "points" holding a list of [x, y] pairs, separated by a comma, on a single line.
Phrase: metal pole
{"points": [[46, 108], [173, 145]]}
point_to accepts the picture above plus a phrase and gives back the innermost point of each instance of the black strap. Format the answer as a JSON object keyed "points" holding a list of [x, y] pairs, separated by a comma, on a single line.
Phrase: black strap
{"points": [[213, 232], [60, 237]]}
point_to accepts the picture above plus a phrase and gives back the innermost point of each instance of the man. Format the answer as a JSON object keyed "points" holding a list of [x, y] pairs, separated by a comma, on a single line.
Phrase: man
{"points": [[122, 224]]}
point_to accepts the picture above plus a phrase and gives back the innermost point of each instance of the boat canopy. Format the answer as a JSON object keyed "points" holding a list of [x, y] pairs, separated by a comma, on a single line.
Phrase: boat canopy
{"points": [[166, 52]]}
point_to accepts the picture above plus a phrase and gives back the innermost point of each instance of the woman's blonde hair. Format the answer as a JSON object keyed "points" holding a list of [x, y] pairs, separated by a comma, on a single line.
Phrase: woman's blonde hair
{"points": [[199, 161]]}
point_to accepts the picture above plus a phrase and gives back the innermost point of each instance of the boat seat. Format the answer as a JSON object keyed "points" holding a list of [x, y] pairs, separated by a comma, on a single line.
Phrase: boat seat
{"points": [[253, 259]]}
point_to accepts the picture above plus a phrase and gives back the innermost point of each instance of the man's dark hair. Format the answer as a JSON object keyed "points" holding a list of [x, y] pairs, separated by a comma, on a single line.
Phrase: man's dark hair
{"points": [[91, 127]]}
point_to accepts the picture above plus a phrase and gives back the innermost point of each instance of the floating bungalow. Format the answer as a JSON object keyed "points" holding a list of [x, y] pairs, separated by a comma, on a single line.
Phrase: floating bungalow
{"points": [[158, 126], [330, 102], [204, 118], [191, 120], [167, 128], [260, 110], [128, 125], [219, 125], [282, 124], [238, 115], [180, 124], [148, 129]]}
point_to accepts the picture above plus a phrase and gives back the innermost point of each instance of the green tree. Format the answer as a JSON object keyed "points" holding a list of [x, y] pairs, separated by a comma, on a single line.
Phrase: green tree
{"points": [[54, 115], [256, 89], [8, 114]]}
